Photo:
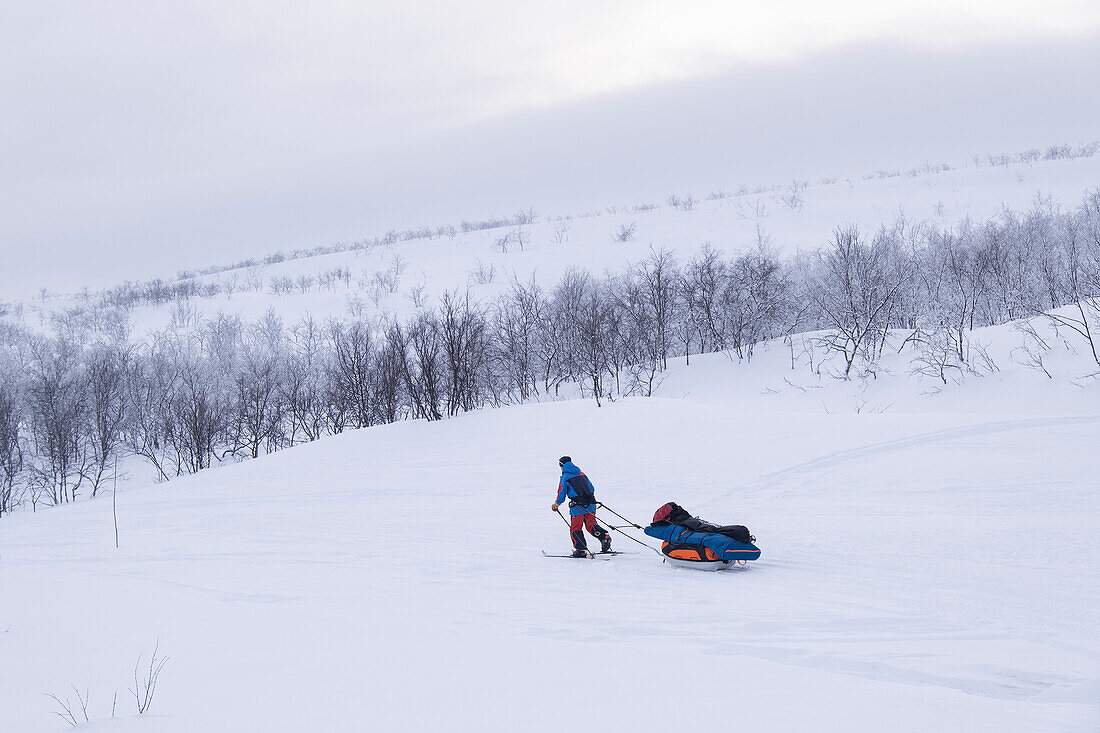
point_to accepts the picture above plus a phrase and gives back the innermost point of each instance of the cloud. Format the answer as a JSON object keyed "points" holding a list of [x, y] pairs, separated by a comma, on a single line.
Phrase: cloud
{"points": [[162, 135], [438, 64]]}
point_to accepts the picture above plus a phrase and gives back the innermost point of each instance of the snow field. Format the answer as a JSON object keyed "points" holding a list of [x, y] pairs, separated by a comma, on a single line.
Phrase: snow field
{"points": [[919, 572]]}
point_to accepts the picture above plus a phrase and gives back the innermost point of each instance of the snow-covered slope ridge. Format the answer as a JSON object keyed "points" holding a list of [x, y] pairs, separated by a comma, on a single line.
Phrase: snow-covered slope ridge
{"points": [[801, 215]]}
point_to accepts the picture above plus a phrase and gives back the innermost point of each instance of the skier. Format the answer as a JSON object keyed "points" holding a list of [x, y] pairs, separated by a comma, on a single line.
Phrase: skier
{"points": [[582, 508]]}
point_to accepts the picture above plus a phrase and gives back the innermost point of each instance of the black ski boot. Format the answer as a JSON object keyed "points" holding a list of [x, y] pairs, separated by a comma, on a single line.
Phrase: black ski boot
{"points": [[605, 542], [580, 553]]}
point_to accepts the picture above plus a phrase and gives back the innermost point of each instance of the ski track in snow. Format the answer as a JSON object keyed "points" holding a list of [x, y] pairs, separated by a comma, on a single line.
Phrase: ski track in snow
{"points": [[836, 458]]}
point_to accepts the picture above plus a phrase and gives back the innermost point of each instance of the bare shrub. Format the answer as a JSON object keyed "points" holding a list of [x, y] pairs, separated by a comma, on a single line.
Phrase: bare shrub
{"points": [[59, 404], [12, 445], [792, 197], [422, 367], [1058, 152], [937, 354], [464, 331], [355, 306], [483, 275], [856, 287], [106, 369], [687, 203], [281, 285], [1074, 275], [1032, 353], [145, 686], [69, 711], [625, 232], [416, 294], [517, 237], [757, 209], [561, 231], [350, 372], [517, 336]]}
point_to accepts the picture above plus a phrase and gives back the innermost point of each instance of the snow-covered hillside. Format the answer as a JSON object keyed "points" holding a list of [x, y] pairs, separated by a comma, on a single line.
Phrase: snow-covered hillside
{"points": [[928, 564], [801, 215]]}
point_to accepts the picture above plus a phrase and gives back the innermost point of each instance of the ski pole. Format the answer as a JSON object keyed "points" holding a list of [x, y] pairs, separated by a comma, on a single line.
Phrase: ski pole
{"points": [[620, 516], [643, 544], [624, 534], [567, 524]]}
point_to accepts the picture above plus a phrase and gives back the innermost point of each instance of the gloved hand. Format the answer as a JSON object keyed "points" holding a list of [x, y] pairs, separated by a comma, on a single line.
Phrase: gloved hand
{"points": [[554, 507]]}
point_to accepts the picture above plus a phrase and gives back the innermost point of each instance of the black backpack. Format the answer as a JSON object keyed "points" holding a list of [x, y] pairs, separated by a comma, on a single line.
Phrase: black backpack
{"points": [[682, 518], [584, 494]]}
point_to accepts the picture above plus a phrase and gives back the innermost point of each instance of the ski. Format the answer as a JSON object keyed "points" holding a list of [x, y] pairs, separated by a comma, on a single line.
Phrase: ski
{"points": [[592, 555], [589, 556]]}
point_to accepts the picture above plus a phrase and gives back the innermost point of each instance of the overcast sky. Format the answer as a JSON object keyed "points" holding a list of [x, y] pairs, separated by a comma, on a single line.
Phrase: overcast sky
{"points": [[138, 138]]}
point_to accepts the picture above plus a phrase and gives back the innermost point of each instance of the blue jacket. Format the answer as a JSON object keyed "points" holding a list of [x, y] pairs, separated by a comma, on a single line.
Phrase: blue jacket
{"points": [[575, 486]]}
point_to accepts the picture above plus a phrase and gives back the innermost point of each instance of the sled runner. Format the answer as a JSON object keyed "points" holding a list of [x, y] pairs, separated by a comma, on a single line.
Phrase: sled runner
{"points": [[710, 565]]}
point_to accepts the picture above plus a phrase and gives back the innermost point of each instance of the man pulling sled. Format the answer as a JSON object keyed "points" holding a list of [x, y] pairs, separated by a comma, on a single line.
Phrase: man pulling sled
{"points": [[686, 540], [576, 487]]}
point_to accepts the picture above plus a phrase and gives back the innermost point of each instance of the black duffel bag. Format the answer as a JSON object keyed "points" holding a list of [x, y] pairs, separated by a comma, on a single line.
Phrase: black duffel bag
{"points": [[673, 513]]}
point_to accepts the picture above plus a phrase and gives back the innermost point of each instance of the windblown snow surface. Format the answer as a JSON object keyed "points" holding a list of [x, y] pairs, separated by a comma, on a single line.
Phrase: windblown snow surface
{"points": [[929, 564]]}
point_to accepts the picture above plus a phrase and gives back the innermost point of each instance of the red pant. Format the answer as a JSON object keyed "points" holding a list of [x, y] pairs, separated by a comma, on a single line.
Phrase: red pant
{"points": [[580, 522], [577, 522]]}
